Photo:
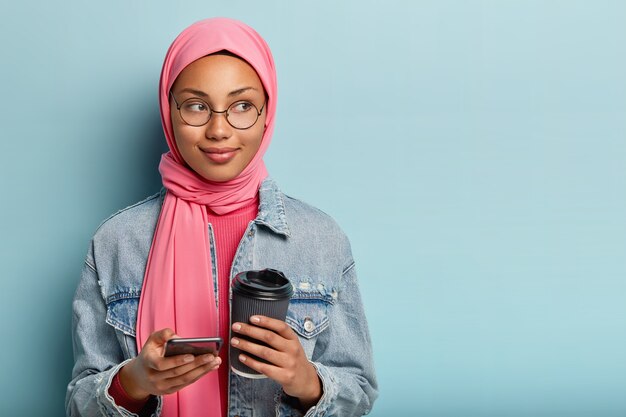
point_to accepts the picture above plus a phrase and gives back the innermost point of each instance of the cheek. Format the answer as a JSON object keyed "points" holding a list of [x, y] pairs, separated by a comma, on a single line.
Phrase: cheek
{"points": [[255, 141], [184, 143], [259, 132], [180, 130], [178, 139], [183, 135]]}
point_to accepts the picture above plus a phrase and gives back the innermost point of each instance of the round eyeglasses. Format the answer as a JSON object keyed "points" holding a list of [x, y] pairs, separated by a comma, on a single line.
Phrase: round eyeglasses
{"points": [[196, 112]]}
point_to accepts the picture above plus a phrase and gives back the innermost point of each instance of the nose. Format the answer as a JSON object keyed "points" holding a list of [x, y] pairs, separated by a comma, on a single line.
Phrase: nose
{"points": [[218, 128]]}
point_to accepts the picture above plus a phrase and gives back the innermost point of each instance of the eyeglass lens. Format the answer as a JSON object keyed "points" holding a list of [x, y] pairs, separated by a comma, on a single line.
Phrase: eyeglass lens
{"points": [[240, 115]]}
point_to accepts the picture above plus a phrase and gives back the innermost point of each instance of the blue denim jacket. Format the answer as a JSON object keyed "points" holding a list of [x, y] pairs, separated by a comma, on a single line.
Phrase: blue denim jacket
{"points": [[326, 310]]}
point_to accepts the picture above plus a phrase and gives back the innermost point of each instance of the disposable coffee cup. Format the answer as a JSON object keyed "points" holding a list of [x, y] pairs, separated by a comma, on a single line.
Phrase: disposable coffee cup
{"points": [[265, 292]]}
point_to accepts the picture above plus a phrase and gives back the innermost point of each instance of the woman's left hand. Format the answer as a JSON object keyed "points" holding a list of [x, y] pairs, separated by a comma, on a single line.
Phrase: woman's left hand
{"points": [[288, 365]]}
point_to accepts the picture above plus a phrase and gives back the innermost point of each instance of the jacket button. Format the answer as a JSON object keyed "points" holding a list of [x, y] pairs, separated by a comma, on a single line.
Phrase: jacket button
{"points": [[309, 326]]}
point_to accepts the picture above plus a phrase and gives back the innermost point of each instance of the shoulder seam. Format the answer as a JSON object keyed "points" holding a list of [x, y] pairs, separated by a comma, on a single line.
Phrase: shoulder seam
{"points": [[90, 265], [309, 205], [145, 200], [348, 268]]}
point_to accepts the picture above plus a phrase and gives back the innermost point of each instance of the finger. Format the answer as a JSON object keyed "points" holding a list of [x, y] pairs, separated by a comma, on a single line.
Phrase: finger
{"points": [[269, 370], [264, 335], [198, 362], [156, 341], [152, 352], [163, 363], [269, 337], [189, 377], [182, 364], [276, 357], [277, 326], [161, 336]]}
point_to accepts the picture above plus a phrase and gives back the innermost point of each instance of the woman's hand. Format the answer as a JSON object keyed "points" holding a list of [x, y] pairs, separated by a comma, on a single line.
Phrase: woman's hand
{"points": [[152, 373], [288, 366]]}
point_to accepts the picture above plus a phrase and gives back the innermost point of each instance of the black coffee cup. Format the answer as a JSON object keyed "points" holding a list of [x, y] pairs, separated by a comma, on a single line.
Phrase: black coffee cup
{"points": [[265, 292]]}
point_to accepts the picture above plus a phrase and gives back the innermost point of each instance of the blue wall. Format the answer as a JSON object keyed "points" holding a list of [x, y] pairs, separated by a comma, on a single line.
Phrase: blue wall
{"points": [[474, 151]]}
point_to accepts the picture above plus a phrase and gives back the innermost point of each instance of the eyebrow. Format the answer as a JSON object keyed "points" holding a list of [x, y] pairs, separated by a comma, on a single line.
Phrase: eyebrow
{"points": [[194, 91], [231, 94], [240, 91]]}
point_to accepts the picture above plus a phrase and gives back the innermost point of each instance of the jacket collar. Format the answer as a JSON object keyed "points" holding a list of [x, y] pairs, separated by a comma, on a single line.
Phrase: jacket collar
{"points": [[272, 208]]}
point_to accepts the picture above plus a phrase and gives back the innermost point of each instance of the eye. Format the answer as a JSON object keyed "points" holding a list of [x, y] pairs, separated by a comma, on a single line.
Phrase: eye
{"points": [[241, 107], [195, 106]]}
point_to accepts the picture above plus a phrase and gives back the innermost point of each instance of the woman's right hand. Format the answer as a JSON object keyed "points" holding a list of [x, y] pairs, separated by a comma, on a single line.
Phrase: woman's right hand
{"points": [[150, 373]]}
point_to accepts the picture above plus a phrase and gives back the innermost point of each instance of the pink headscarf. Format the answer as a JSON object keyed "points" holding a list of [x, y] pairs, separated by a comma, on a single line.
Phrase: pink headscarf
{"points": [[178, 288]]}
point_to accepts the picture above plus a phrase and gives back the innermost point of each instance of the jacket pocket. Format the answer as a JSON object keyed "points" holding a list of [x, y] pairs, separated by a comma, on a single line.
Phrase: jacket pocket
{"points": [[309, 309], [122, 311], [122, 316]]}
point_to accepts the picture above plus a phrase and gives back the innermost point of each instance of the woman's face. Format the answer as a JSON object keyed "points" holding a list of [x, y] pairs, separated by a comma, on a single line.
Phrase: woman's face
{"points": [[217, 151]]}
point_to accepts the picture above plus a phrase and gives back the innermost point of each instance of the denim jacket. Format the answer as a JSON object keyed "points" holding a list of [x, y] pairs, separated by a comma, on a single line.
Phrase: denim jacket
{"points": [[325, 311]]}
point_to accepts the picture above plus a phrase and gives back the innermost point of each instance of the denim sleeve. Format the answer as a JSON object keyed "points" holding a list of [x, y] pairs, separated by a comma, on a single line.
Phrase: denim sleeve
{"points": [[97, 354], [344, 360]]}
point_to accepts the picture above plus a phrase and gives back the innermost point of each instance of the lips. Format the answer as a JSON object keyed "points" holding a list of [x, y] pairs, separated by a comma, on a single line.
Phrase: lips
{"points": [[220, 155]]}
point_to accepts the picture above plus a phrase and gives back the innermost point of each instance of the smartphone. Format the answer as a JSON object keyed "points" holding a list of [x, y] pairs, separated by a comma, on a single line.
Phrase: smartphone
{"points": [[195, 346]]}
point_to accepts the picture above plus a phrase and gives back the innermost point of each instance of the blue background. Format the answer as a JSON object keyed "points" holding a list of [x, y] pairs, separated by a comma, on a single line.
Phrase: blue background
{"points": [[474, 152]]}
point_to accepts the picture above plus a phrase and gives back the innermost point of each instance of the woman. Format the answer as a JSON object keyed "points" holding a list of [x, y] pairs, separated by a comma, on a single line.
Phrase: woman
{"points": [[161, 268]]}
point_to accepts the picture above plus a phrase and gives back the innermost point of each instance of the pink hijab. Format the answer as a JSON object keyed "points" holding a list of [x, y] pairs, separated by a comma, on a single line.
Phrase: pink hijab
{"points": [[178, 287]]}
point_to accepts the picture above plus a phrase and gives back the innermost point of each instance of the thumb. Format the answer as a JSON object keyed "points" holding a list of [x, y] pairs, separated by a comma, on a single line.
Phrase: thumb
{"points": [[159, 337]]}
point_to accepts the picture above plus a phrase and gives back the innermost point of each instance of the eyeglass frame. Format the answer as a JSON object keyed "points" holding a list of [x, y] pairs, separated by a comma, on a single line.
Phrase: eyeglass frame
{"points": [[211, 111]]}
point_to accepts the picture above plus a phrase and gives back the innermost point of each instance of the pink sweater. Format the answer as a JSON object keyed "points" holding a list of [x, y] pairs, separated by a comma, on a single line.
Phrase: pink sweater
{"points": [[228, 230]]}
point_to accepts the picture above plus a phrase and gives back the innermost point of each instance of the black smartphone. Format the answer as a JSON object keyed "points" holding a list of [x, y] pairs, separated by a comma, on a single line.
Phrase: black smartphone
{"points": [[195, 346]]}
